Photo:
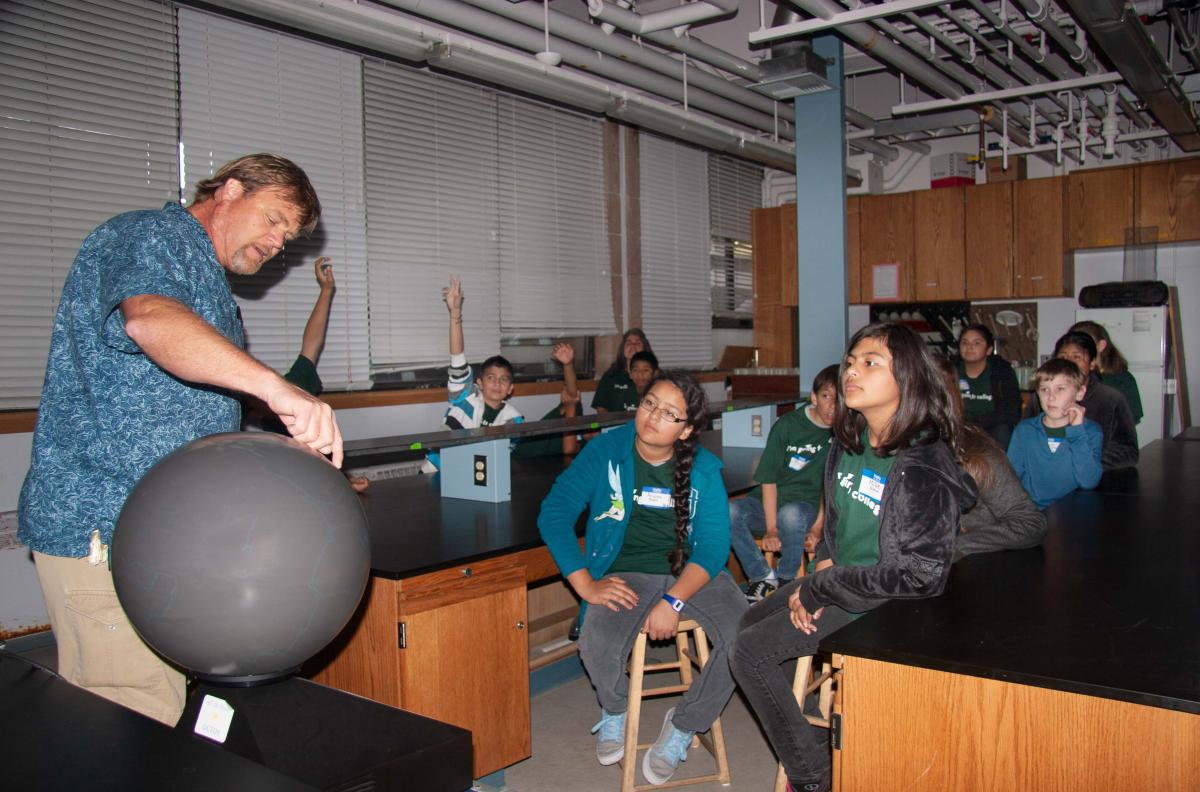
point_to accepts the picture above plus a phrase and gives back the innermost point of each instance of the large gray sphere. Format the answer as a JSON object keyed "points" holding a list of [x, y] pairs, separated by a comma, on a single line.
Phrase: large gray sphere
{"points": [[241, 555]]}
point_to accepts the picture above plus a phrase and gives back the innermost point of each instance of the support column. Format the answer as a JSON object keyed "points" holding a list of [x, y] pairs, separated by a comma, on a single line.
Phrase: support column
{"points": [[821, 219]]}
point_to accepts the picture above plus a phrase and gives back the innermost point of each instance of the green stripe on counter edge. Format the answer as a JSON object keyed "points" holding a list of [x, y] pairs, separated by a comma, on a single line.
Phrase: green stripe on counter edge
{"points": [[414, 446]]}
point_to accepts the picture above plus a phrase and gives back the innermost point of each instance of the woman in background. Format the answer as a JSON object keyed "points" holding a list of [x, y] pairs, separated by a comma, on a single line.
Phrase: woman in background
{"points": [[1112, 367]]}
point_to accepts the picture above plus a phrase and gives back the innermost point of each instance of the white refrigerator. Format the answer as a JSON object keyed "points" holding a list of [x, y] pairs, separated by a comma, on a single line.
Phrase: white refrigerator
{"points": [[1141, 336]]}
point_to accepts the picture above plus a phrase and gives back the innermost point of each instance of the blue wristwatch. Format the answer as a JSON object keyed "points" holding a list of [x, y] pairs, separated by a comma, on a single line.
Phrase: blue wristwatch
{"points": [[675, 603]]}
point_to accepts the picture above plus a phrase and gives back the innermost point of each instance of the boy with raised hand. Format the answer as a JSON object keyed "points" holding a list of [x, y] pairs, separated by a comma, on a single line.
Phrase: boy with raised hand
{"points": [[1058, 451], [785, 506]]}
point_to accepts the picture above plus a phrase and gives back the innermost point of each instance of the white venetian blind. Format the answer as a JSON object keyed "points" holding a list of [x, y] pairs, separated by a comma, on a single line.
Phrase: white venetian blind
{"points": [[244, 90], [431, 180], [554, 276], [734, 190], [87, 131], [676, 297]]}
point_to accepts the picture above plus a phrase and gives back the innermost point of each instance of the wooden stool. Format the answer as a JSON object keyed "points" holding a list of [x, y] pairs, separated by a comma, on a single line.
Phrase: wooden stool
{"points": [[803, 684], [714, 741]]}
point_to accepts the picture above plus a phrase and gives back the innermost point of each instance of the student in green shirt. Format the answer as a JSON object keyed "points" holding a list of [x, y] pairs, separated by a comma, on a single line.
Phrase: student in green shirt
{"points": [[990, 392], [655, 548], [784, 506], [1112, 368], [616, 391], [893, 497]]}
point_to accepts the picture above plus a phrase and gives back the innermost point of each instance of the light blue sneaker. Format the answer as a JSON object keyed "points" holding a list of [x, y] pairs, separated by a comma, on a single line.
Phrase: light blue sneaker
{"points": [[610, 744], [667, 752]]}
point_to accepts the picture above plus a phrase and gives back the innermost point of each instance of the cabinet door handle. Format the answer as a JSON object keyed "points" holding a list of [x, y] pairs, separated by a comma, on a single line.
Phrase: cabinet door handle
{"points": [[520, 625]]}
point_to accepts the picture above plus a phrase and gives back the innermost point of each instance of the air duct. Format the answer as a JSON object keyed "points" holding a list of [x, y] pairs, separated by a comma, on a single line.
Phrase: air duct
{"points": [[1120, 35]]}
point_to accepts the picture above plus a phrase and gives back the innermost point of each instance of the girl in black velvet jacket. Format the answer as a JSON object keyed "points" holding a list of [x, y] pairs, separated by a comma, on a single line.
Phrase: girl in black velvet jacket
{"points": [[894, 492]]}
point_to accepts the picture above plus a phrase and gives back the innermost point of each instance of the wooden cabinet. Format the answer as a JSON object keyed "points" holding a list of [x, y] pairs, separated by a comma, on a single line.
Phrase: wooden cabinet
{"points": [[1101, 207], [924, 730], [1043, 262], [773, 233], [988, 257], [450, 644], [1167, 206], [853, 259], [938, 244], [887, 238]]}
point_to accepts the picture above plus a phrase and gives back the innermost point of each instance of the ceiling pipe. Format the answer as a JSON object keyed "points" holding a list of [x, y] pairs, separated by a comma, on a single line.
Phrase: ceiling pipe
{"points": [[869, 40], [387, 32], [588, 35], [515, 34], [1120, 35], [1188, 48], [687, 14], [1039, 14]]}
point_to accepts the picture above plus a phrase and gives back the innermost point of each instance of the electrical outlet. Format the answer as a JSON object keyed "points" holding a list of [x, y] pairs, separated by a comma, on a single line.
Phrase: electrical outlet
{"points": [[481, 471], [756, 426]]}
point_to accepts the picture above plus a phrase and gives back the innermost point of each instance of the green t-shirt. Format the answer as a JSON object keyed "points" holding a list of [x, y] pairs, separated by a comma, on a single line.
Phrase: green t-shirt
{"points": [[616, 393], [303, 374], [1054, 436], [794, 459], [650, 536], [976, 391], [546, 445], [1124, 382], [861, 480]]}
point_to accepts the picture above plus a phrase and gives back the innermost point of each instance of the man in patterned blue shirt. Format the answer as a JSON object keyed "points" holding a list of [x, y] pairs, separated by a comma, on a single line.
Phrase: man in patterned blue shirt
{"points": [[147, 355]]}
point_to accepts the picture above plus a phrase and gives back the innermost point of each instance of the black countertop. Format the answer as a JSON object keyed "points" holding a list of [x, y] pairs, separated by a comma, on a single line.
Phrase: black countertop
{"points": [[415, 530], [1109, 606]]}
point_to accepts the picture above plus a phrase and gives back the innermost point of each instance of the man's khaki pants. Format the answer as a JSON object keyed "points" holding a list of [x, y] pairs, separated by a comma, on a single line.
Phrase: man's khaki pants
{"points": [[98, 649]]}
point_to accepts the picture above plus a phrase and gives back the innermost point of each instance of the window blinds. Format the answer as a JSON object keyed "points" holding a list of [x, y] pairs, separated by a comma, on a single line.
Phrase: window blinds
{"points": [[87, 131], [431, 180], [243, 90], [676, 297], [554, 275], [734, 190]]}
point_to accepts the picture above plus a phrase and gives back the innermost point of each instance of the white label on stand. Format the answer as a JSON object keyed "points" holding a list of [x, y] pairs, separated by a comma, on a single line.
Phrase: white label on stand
{"points": [[214, 719]]}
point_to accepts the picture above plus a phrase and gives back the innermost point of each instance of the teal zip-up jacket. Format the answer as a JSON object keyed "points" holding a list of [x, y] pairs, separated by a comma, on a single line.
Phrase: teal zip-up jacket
{"points": [[601, 480]]}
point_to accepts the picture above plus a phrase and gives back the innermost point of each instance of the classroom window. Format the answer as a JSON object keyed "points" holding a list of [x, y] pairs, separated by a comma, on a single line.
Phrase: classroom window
{"points": [[88, 109], [735, 190], [676, 295]]}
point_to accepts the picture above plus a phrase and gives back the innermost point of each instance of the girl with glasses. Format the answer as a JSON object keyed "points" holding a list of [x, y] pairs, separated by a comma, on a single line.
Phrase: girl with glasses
{"points": [[893, 496], [656, 543]]}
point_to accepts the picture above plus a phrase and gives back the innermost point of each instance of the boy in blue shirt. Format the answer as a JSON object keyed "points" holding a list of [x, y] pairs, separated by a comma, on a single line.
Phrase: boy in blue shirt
{"points": [[1058, 451]]}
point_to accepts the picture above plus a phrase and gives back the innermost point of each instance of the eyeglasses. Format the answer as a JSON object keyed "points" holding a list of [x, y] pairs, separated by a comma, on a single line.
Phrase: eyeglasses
{"points": [[666, 413]]}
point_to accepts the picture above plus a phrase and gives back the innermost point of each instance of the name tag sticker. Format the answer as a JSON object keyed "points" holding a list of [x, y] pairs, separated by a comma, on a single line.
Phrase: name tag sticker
{"points": [[797, 462], [963, 385], [655, 498], [1053, 443], [871, 484]]}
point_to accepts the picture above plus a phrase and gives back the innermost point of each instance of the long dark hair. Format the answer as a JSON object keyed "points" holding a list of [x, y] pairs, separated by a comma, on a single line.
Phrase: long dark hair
{"points": [[1079, 339], [976, 452], [685, 454], [925, 414], [1110, 360], [619, 364]]}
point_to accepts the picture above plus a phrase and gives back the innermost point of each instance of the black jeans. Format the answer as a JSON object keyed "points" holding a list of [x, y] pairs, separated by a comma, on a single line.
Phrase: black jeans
{"points": [[767, 639]]}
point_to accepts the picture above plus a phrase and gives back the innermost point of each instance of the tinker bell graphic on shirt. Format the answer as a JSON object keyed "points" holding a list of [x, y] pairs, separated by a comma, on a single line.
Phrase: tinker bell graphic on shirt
{"points": [[616, 509]]}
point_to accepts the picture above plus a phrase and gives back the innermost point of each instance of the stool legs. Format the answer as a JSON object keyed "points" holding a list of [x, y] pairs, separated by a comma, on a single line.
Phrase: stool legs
{"points": [[714, 742]]}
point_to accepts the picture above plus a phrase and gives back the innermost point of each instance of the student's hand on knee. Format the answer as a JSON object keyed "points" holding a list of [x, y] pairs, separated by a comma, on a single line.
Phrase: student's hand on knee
{"points": [[612, 593], [771, 542], [811, 540], [662, 623]]}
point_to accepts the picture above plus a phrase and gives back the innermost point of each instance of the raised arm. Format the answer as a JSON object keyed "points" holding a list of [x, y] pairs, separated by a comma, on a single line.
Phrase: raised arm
{"points": [[453, 295], [565, 354], [318, 320], [186, 346]]}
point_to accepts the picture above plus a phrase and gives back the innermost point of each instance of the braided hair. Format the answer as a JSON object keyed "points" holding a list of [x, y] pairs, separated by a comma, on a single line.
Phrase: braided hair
{"points": [[685, 454]]}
